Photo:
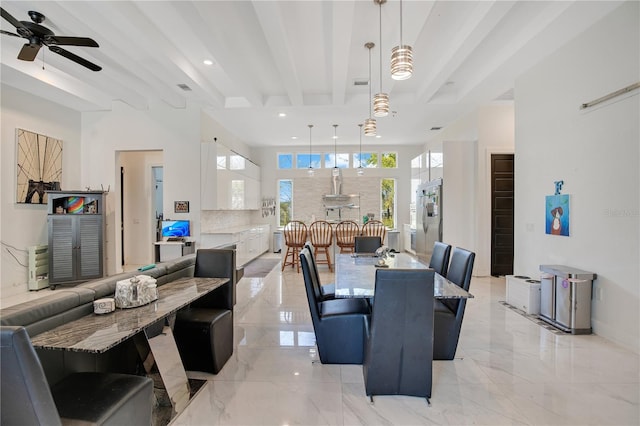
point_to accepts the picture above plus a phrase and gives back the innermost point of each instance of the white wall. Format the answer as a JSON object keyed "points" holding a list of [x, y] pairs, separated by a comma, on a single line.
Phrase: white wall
{"points": [[467, 146], [23, 225], [596, 153], [139, 211], [174, 131]]}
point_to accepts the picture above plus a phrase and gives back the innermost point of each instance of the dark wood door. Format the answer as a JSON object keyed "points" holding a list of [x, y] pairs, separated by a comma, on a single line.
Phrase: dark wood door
{"points": [[502, 191]]}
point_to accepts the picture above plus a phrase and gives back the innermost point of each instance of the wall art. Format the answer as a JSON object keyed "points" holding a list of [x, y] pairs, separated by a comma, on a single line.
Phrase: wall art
{"points": [[557, 214], [39, 159]]}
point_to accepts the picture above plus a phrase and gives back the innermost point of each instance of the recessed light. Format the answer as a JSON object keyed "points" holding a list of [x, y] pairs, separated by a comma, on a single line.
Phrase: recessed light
{"points": [[207, 62], [282, 114], [378, 136], [294, 137]]}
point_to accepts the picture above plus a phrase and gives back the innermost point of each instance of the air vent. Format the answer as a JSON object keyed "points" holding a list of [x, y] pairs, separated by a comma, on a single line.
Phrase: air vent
{"points": [[361, 82], [184, 87], [436, 128]]}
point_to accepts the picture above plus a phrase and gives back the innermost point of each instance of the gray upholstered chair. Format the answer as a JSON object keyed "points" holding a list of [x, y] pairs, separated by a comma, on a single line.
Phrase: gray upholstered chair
{"points": [[399, 345], [439, 261], [367, 244], [327, 291], [338, 324], [79, 398], [448, 314], [204, 330]]}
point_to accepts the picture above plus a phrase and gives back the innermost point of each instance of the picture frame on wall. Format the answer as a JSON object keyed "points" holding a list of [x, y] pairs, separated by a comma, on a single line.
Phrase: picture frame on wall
{"points": [[181, 207], [39, 166]]}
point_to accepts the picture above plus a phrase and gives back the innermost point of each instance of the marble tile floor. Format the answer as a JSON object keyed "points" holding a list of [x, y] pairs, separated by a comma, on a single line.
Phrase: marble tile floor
{"points": [[508, 371]]}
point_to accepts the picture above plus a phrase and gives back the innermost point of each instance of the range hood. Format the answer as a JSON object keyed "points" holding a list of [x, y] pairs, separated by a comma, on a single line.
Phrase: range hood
{"points": [[336, 199]]}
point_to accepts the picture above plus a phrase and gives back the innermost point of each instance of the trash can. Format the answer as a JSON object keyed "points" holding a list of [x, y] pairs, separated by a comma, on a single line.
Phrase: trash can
{"points": [[393, 240], [565, 298], [277, 241]]}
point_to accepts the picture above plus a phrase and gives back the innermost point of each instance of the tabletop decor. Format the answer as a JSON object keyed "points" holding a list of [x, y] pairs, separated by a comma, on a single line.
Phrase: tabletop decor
{"points": [[137, 291]]}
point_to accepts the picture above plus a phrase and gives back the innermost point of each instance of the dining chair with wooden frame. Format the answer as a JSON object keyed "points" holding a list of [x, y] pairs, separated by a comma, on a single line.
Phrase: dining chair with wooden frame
{"points": [[346, 232], [321, 236], [374, 228], [295, 235]]}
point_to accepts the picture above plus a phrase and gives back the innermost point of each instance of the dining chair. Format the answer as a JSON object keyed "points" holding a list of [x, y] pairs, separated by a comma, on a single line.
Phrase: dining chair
{"points": [[448, 313], [367, 244], [295, 235], [375, 228], [321, 235], [204, 330], [338, 324], [328, 291], [439, 261], [79, 398], [398, 335], [346, 231]]}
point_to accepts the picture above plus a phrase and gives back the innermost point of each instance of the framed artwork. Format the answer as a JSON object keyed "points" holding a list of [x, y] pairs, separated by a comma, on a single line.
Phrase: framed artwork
{"points": [[181, 207], [39, 159], [557, 214]]}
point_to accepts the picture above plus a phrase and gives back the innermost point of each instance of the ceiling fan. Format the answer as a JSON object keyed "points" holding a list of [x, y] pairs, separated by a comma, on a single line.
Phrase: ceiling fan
{"points": [[39, 35]]}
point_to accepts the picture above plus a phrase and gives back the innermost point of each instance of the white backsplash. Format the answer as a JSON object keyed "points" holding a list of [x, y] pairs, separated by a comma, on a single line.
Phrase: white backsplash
{"points": [[215, 220]]}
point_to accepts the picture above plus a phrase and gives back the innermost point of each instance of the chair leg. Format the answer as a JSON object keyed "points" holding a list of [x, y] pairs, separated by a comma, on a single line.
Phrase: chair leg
{"points": [[289, 252]]}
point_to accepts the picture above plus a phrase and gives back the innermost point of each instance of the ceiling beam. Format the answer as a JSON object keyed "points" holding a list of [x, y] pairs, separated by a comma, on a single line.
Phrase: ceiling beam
{"points": [[342, 14], [273, 26]]}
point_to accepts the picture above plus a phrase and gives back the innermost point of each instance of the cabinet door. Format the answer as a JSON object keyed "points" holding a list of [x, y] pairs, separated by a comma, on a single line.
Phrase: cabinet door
{"points": [[61, 247], [89, 247]]}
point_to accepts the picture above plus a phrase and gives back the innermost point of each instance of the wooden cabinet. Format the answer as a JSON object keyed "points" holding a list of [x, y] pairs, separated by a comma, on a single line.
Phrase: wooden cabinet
{"points": [[76, 236], [229, 181]]}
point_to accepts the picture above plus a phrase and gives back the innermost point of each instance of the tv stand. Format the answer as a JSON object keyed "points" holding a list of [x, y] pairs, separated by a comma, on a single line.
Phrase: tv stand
{"points": [[169, 250]]}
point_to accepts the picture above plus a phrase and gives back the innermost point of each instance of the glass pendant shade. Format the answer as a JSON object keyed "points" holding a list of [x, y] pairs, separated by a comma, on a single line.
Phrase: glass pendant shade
{"points": [[370, 127], [401, 62], [381, 105]]}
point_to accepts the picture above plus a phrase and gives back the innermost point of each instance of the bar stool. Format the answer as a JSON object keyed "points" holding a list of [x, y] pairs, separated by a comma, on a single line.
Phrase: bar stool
{"points": [[321, 236], [346, 232], [295, 235], [374, 228]]}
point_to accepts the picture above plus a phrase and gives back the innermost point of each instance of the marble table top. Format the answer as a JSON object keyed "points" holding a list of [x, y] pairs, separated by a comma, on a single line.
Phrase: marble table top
{"points": [[99, 333], [356, 276]]}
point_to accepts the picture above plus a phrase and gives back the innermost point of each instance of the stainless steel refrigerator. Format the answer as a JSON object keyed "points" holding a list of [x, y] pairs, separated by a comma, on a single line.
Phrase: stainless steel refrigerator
{"points": [[428, 218]]}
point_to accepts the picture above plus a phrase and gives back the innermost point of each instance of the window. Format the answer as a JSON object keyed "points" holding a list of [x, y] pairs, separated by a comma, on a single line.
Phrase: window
{"points": [[389, 160], [388, 202], [302, 161], [369, 160], [236, 162], [343, 161], [285, 197], [285, 161], [436, 159]]}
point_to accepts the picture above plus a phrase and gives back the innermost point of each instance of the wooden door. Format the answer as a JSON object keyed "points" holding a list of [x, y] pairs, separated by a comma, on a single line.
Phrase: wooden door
{"points": [[502, 194]]}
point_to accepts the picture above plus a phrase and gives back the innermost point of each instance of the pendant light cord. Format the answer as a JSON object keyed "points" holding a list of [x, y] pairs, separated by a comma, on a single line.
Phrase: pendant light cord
{"points": [[380, 47], [401, 24], [370, 81]]}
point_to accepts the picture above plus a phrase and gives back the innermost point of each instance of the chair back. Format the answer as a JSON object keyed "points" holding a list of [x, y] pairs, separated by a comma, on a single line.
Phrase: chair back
{"points": [[367, 244], [374, 228], [295, 233], [459, 273], [26, 398], [346, 231], [216, 263], [312, 260], [320, 233], [312, 287], [399, 345], [440, 258]]}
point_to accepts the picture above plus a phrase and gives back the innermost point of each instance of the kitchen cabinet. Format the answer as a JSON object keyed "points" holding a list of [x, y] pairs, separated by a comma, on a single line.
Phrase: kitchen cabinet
{"points": [[228, 180], [76, 229], [250, 241]]}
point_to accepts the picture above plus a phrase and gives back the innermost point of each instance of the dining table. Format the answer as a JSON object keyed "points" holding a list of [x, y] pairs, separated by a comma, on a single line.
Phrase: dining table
{"points": [[356, 275], [150, 327]]}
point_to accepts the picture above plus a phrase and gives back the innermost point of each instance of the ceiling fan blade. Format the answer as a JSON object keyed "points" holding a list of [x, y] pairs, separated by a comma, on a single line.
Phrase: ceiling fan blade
{"points": [[8, 33], [13, 21], [75, 58], [70, 41], [29, 52]]}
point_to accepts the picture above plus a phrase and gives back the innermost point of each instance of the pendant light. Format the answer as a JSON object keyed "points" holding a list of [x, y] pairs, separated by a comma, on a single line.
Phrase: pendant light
{"points": [[401, 57], [381, 99], [310, 172], [369, 123], [336, 170], [360, 169]]}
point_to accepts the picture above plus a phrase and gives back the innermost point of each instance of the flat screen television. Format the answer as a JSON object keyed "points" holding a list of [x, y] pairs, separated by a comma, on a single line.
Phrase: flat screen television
{"points": [[175, 228]]}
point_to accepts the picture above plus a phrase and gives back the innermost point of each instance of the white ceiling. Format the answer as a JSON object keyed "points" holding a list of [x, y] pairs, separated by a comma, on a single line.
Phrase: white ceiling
{"points": [[297, 57]]}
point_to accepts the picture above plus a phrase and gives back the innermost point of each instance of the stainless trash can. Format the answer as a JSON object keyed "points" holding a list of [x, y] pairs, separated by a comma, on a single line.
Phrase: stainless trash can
{"points": [[565, 298], [277, 241], [393, 240]]}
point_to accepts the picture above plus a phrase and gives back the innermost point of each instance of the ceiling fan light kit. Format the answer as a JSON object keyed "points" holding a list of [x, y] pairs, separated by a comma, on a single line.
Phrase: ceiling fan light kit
{"points": [[39, 35]]}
